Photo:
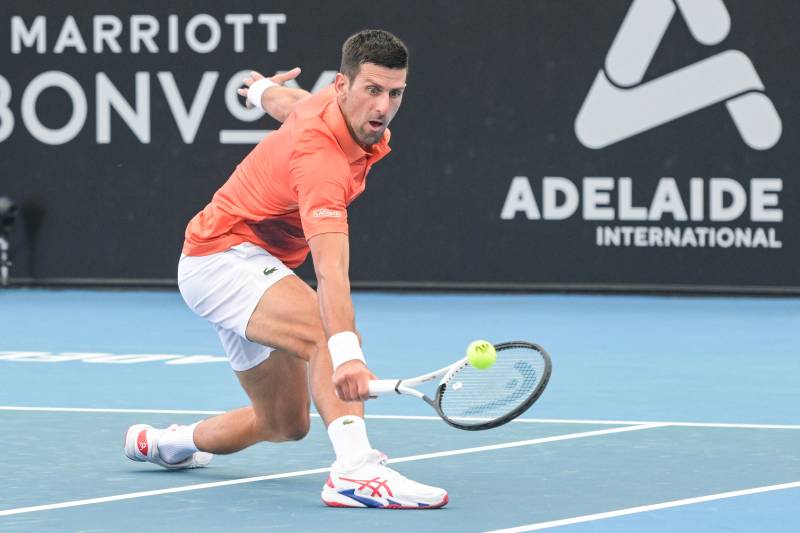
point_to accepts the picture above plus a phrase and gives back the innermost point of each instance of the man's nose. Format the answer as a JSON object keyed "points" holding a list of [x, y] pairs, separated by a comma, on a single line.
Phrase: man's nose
{"points": [[382, 104]]}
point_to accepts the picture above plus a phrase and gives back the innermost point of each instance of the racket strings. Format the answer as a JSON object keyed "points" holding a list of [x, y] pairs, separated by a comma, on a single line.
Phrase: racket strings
{"points": [[495, 392]]}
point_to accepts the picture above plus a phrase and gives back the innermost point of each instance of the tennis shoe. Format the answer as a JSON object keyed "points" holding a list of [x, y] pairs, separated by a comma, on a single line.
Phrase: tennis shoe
{"points": [[373, 484], [141, 444]]}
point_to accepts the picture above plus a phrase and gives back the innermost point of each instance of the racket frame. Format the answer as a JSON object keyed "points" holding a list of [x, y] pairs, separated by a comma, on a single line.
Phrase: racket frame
{"points": [[381, 387]]}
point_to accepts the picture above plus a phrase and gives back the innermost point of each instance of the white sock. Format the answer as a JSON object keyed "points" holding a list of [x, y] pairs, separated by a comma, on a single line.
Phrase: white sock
{"points": [[175, 446], [348, 435]]}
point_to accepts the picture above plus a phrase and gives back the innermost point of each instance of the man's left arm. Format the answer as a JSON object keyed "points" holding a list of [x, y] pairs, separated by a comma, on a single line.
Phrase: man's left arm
{"points": [[277, 101]]}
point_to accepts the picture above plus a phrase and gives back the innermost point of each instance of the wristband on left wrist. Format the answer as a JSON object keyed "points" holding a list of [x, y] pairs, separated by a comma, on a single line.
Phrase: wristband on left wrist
{"points": [[255, 91]]}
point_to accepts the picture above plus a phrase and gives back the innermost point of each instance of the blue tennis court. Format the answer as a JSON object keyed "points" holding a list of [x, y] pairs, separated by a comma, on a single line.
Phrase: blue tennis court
{"points": [[662, 414]]}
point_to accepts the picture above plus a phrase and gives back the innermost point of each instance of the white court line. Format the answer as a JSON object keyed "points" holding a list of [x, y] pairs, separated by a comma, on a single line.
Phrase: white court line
{"points": [[646, 508], [529, 442], [107, 410], [415, 417], [186, 488], [143, 494], [610, 422]]}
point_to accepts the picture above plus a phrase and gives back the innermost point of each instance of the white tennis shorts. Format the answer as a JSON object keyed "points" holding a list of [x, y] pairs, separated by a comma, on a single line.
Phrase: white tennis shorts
{"points": [[224, 288]]}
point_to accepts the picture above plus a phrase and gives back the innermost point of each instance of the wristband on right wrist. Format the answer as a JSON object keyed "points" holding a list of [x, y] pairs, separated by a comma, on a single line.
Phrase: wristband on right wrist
{"points": [[344, 347]]}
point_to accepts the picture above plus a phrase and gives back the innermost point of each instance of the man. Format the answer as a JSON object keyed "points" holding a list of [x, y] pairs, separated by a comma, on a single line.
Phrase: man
{"points": [[289, 196]]}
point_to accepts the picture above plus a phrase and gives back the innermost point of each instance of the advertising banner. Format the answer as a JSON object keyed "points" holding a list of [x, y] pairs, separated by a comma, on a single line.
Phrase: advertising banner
{"points": [[616, 145]]}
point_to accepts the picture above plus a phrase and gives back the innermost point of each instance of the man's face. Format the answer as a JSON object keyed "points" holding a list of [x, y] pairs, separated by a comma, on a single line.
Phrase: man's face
{"points": [[371, 100]]}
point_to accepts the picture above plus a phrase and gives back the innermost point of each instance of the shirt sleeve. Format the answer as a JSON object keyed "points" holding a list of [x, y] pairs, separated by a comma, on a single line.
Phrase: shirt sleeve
{"points": [[319, 174]]}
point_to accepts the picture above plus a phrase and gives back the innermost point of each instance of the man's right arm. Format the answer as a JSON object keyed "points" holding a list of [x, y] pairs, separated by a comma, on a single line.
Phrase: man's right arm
{"points": [[319, 174], [331, 255]]}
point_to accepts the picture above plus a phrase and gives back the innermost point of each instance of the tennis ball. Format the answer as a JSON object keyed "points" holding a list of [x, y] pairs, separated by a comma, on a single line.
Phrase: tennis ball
{"points": [[481, 354]]}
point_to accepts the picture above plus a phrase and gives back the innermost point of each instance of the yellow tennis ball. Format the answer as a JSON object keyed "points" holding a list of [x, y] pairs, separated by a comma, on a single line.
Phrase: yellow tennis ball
{"points": [[481, 354]]}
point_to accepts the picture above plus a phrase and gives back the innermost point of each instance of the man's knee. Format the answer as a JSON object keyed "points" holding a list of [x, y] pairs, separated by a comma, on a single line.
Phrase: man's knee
{"points": [[285, 427], [297, 429], [285, 430]]}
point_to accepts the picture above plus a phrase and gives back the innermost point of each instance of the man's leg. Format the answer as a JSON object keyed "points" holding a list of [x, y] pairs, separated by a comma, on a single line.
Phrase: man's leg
{"points": [[278, 390], [290, 321], [287, 318]]}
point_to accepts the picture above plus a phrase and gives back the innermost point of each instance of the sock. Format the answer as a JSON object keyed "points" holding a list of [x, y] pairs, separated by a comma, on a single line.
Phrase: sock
{"points": [[348, 435], [175, 446]]}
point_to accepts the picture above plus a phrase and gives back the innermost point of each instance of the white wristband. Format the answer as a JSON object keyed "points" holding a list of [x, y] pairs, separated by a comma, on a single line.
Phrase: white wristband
{"points": [[344, 347], [257, 89]]}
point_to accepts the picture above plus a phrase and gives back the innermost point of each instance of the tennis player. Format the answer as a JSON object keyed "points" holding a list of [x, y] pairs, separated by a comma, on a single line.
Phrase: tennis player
{"points": [[289, 196]]}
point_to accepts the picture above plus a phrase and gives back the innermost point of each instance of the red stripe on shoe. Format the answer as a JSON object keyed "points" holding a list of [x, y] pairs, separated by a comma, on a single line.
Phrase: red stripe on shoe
{"points": [[141, 442], [368, 483]]}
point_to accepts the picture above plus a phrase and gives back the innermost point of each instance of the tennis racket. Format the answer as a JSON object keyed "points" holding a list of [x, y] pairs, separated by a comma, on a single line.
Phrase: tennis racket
{"points": [[473, 399]]}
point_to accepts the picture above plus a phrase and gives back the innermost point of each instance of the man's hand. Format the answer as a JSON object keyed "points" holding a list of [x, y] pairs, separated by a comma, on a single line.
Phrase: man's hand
{"points": [[278, 78], [351, 381]]}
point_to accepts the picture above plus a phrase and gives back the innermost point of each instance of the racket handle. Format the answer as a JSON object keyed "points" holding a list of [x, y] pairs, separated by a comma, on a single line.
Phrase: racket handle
{"points": [[382, 387]]}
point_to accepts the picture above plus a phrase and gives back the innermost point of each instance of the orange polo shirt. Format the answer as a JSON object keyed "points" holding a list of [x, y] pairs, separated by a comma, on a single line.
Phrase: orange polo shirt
{"points": [[295, 184]]}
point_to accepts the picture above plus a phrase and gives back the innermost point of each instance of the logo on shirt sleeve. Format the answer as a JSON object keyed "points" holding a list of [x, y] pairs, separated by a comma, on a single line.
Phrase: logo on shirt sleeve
{"points": [[326, 213]]}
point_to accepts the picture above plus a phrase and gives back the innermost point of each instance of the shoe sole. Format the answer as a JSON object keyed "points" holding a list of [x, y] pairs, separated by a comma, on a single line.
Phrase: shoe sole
{"points": [[336, 499]]}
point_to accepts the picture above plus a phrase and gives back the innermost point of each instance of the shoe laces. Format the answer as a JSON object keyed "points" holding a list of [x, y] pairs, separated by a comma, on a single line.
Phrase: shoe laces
{"points": [[378, 457], [383, 460]]}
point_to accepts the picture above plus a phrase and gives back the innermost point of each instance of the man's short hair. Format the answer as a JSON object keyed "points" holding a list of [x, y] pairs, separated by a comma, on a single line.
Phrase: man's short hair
{"points": [[372, 46]]}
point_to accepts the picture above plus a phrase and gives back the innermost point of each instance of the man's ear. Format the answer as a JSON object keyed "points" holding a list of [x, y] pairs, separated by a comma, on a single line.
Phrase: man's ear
{"points": [[341, 83]]}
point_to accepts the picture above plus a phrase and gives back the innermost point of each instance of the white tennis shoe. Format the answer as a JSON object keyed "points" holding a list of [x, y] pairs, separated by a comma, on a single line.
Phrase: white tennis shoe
{"points": [[373, 484], [141, 444]]}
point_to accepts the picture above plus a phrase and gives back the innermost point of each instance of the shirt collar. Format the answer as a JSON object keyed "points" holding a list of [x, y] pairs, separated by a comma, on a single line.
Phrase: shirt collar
{"points": [[334, 118]]}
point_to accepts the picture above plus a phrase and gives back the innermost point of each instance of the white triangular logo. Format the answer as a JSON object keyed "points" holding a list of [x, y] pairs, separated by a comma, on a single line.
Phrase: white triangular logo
{"points": [[619, 105]]}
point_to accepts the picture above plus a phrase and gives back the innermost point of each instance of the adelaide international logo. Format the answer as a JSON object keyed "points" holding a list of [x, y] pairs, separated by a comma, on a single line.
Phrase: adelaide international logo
{"points": [[620, 106]]}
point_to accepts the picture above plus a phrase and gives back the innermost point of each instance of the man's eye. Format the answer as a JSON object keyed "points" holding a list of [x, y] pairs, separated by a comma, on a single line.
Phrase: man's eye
{"points": [[373, 90], [396, 94]]}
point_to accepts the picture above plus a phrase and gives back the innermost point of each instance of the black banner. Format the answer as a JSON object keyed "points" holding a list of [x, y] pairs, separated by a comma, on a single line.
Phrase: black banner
{"points": [[647, 144]]}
